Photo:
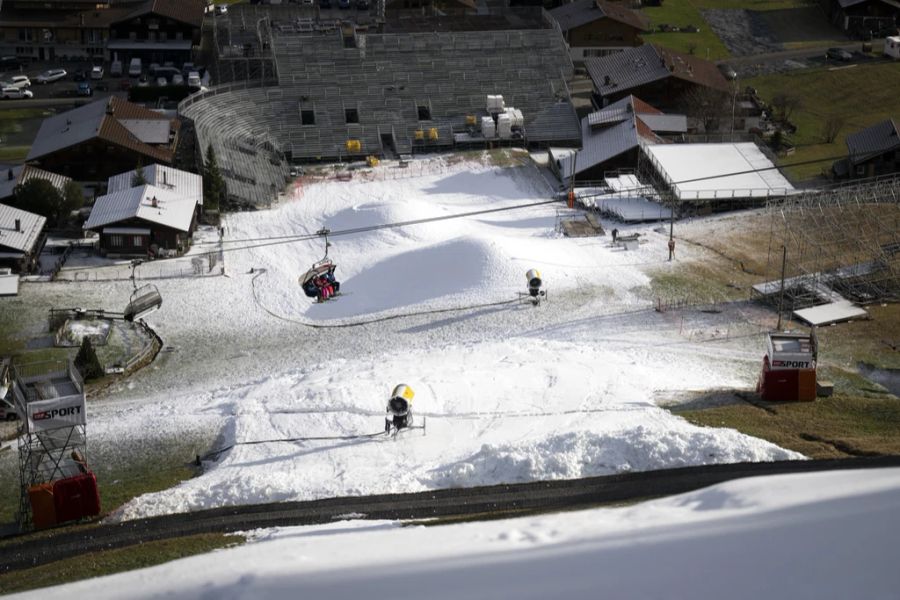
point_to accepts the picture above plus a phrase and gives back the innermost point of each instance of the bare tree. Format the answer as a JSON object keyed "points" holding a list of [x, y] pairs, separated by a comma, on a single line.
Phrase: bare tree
{"points": [[708, 106], [785, 103], [832, 127]]}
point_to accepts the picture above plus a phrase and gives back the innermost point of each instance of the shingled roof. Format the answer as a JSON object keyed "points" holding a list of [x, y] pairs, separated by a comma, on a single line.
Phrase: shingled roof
{"points": [[581, 12], [184, 11], [645, 64]]}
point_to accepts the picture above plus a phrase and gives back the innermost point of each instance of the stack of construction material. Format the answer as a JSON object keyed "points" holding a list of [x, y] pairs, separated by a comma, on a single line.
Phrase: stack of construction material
{"points": [[504, 126], [495, 104], [517, 119], [488, 127]]}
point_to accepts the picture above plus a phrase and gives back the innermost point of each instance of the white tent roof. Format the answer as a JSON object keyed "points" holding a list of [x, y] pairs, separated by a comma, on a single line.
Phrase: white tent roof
{"points": [[171, 209], [699, 167], [185, 184]]}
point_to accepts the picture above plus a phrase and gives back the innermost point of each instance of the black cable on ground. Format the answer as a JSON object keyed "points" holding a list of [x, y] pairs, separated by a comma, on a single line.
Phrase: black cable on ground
{"points": [[322, 438]]}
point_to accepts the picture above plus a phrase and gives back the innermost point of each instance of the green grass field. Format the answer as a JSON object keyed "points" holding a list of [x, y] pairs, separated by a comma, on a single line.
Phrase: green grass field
{"points": [[705, 44], [863, 95]]}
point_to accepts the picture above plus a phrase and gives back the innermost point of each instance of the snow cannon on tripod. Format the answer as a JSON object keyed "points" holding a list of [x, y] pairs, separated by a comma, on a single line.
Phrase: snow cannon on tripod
{"points": [[399, 411], [535, 293]]}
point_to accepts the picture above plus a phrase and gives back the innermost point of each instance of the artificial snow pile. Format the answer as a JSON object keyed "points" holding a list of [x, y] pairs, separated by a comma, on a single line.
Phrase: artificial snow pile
{"points": [[509, 392], [827, 536]]}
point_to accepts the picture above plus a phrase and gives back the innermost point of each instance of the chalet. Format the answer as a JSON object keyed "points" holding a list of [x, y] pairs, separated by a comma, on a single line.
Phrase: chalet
{"points": [[103, 138], [612, 138], [88, 29], [599, 28], [864, 18], [157, 31], [871, 152], [21, 238], [663, 77], [145, 220], [187, 185], [21, 173]]}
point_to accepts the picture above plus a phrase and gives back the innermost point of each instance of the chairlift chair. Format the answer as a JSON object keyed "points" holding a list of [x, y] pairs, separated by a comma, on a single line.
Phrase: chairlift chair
{"points": [[325, 266], [144, 300]]}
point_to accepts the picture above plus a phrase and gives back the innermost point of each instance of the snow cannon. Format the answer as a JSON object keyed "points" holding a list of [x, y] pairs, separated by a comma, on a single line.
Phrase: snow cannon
{"points": [[533, 276], [399, 408]]}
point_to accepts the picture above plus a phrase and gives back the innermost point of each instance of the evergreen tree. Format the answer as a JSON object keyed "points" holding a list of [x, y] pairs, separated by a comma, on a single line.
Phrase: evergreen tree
{"points": [[138, 178], [38, 196], [213, 183], [87, 362]]}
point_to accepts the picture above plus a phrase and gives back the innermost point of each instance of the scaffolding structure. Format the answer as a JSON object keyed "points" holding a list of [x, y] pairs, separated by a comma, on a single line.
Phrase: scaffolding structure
{"points": [[833, 244], [49, 398]]}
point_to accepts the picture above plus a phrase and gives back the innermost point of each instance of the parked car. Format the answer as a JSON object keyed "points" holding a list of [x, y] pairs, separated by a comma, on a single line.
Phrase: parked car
{"points": [[177, 79], [344, 4], [84, 89], [10, 63], [362, 4], [193, 79], [14, 93], [838, 54], [96, 72], [115, 68], [143, 81], [80, 75], [51, 75], [162, 82], [727, 72], [20, 81], [7, 410], [134, 68]]}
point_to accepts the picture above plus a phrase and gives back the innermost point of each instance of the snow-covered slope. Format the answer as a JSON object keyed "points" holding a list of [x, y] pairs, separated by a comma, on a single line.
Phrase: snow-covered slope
{"points": [[819, 535]]}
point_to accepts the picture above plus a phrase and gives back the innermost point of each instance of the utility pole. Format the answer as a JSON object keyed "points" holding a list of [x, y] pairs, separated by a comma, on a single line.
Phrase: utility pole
{"points": [[672, 227], [781, 297]]}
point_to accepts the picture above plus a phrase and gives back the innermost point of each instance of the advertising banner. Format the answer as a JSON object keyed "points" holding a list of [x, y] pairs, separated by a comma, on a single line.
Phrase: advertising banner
{"points": [[44, 415]]}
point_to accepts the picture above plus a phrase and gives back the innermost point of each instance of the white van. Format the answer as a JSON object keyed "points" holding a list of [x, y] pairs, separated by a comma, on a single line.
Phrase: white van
{"points": [[134, 68], [115, 68], [193, 79]]}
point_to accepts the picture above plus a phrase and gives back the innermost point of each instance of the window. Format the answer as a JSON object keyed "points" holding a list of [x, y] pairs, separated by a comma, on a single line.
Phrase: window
{"points": [[138, 241], [307, 117], [116, 240], [424, 113], [351, 115]]}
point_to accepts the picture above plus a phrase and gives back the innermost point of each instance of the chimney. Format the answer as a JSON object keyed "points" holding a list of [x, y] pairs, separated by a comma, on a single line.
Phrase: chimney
{"points": [[18, 225], [154, 202], [109, 108], [606, 80], [10, 176], [165, 182]]}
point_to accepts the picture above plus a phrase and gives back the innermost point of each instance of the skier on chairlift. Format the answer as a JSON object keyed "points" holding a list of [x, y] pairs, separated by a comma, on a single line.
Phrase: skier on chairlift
{"points": [[399, 409]]}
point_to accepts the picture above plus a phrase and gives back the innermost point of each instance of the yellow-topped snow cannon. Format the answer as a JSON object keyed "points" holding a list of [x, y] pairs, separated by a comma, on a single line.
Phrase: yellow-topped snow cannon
{"points": [[535, 293], [399, 410]]}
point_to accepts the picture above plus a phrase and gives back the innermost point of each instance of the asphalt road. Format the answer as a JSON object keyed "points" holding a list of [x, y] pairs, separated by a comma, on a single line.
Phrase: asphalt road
{"points": [[24, 551]]}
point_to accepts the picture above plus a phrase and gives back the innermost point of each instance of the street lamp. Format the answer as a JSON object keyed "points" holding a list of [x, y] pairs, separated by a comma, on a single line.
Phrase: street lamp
{"points": [[734, 83]]}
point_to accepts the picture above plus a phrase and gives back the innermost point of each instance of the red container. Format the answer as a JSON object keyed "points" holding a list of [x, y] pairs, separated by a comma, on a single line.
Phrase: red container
{"points": [[76, 497], [43, 509], [786, 385]]}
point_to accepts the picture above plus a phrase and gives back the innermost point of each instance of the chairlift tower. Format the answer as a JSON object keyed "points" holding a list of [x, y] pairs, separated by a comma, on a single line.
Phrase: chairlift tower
{"points": [[50, 401]]}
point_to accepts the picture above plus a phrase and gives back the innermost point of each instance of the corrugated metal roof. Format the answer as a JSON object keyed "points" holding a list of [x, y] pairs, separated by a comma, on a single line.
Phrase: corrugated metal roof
{"points": [[877, 139], [665, 123], [185, 184], [185, 11], [609, 116], [30, 227], [602, 144], [171, 209]]}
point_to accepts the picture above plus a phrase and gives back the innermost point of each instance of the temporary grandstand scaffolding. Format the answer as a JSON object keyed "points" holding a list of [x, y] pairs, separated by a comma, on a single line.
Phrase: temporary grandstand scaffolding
{"points": [[835, 244], [343, 93]]}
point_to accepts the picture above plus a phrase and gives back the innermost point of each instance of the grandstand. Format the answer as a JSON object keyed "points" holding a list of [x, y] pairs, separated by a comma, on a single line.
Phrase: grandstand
{"points": [[343, 92]]}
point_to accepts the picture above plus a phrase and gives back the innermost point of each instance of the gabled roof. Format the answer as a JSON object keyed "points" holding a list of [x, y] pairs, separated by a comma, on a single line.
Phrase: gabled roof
{"points": [[170, 210], [185, 11], [101, 119], [610, 132], [581, 12], [645, 64], [30, 227], [877, 139], [23, 173], [187, 185]]}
